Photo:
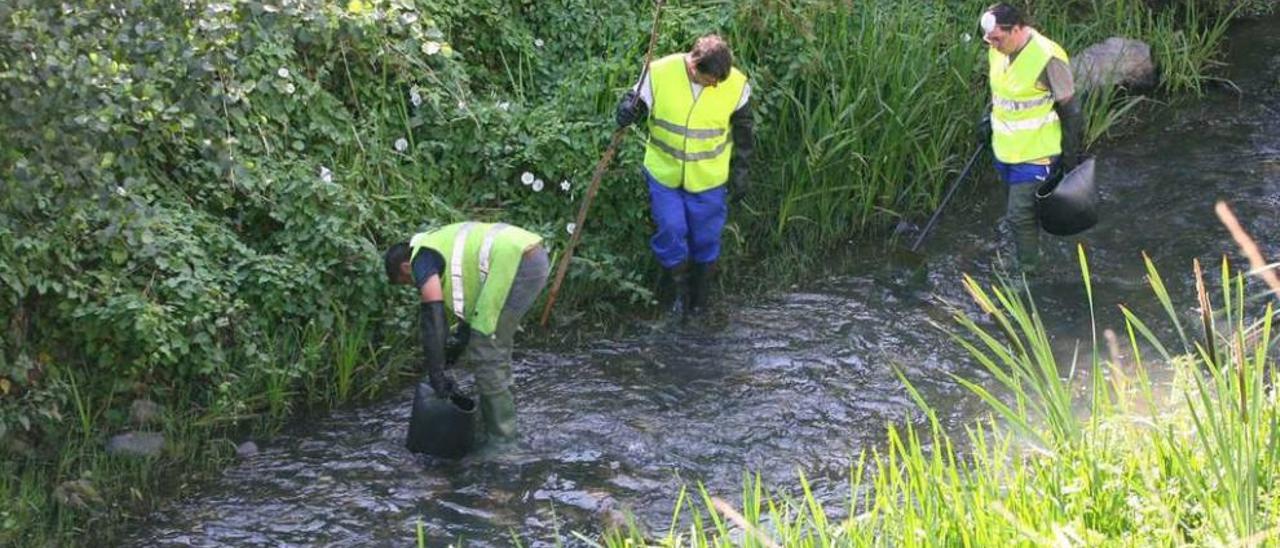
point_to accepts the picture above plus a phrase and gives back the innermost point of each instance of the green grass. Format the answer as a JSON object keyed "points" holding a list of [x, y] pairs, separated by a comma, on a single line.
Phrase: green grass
{"points": [[1111, 447]]}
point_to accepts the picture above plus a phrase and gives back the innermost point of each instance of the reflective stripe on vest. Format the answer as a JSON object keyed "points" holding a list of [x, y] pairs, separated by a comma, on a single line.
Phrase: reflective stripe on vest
{"points": [[690, 144], [482, 260], [486, 250], [456, 270], [1020, 105], [456, 263], [1024, 125]]}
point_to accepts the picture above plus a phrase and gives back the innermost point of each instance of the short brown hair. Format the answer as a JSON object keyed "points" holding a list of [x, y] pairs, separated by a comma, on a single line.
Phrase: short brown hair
{"points": [[711, 56]]}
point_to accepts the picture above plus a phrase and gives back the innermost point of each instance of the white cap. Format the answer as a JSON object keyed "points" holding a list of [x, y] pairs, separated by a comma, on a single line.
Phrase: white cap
{"points": [[988, 22]]}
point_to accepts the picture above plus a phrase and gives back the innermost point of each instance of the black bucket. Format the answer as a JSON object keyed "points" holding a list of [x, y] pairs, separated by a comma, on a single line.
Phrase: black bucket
{"points": [[1068, 205], [441, 427]]}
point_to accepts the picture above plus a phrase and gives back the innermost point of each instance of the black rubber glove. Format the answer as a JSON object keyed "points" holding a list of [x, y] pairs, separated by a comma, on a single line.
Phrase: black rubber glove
{"points": [[983, 129], [630, 109], [457, 344], [1072, 134], [744, 144], [432, 323]]}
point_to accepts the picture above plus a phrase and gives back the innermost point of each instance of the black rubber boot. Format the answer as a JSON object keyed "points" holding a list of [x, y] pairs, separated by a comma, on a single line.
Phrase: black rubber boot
{"points": [[673, 293], [700, 287]]}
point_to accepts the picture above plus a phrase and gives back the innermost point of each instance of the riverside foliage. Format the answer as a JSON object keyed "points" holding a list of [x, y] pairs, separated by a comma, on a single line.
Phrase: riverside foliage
{"points": [[195, 192]]}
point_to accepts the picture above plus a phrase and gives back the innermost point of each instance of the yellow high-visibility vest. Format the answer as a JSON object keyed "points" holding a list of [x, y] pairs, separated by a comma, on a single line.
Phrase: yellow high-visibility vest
{"points": [[689, 140], [1024, 126], [481, 260]]}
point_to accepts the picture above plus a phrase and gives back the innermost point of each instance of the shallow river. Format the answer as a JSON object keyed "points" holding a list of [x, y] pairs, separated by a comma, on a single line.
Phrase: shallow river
{"points": [[801, 380]]}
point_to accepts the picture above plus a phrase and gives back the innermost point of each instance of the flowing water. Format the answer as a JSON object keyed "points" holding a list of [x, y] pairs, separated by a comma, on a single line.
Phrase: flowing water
{"points": [[799, 381]]}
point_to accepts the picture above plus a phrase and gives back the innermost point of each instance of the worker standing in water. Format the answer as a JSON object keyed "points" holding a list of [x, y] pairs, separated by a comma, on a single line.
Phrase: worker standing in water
{"points": [[1035, 127], [700, 140]]}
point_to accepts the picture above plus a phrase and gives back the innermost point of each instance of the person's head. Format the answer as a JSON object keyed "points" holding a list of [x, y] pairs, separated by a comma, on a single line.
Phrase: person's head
{"points": [[1004, 27], [710, 60], [396, 261]]}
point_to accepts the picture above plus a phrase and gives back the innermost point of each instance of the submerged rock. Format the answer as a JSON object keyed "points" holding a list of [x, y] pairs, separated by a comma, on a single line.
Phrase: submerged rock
{"points": [[136, 444], [1114, 62], [247, 449]]}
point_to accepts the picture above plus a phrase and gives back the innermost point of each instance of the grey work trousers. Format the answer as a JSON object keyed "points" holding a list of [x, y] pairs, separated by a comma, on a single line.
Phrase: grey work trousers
{"points": [[489, 356]]}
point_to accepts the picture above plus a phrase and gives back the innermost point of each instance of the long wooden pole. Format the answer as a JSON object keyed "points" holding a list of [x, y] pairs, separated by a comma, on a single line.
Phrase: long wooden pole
{"points": [[580, 222]]}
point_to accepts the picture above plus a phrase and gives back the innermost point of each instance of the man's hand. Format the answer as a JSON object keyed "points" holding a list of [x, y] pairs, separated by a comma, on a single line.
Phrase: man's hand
{"points": [[457, 344], [630, 109], [441, 384], [1067, 162]]}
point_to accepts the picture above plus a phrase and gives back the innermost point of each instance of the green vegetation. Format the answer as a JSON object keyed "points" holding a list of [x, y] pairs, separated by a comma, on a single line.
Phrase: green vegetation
{"points": [[195, 193], [1182, 449]]}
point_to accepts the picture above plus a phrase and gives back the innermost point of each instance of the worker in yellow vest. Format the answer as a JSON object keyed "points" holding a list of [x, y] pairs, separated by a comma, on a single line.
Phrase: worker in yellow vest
{"points": [[1035, 126], [700, 138], [483, 277]]}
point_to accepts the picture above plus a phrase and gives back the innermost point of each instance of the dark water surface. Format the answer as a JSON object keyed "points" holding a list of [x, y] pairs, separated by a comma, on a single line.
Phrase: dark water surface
{"points": [[798, 381]]}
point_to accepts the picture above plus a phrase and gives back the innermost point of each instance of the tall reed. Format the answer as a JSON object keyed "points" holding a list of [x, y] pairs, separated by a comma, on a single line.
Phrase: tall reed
{"points": [[1181, 450]]}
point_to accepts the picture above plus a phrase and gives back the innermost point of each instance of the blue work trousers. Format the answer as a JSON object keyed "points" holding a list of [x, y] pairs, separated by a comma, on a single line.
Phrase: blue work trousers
{"points": [[688, 223]]}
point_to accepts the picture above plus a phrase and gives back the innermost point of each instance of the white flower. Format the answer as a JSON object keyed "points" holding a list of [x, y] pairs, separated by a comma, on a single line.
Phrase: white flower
{"points": [[326, 175], [415, 96], [526, 178], [462, 105], [538, 42], [564, 185], [965, 37], [431, 47], [505, 105], [121, 191], [288, 88], [537, 185], [283, 72], [570, 227], [401, 144]]}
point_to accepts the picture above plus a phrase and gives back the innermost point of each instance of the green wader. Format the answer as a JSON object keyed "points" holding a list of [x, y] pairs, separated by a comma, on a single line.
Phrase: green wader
{"points": [[489, 357], [1020, 217]]}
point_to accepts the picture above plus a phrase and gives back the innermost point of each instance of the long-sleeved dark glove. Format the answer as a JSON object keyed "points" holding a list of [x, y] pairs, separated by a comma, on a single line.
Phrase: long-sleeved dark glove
{"points": [[983, 129], [457, 344], [630, 109], [1072, 133], [744, 144], [432, 323]]}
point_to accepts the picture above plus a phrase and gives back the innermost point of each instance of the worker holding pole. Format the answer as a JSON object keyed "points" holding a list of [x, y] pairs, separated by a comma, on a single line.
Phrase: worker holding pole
{"points": [[697, 161], [1035, 125]]}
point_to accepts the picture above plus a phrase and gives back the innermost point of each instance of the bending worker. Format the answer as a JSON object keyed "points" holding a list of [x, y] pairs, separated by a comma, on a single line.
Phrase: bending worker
{"points": [[1035, 125], [484, 276], [700, 137]]}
